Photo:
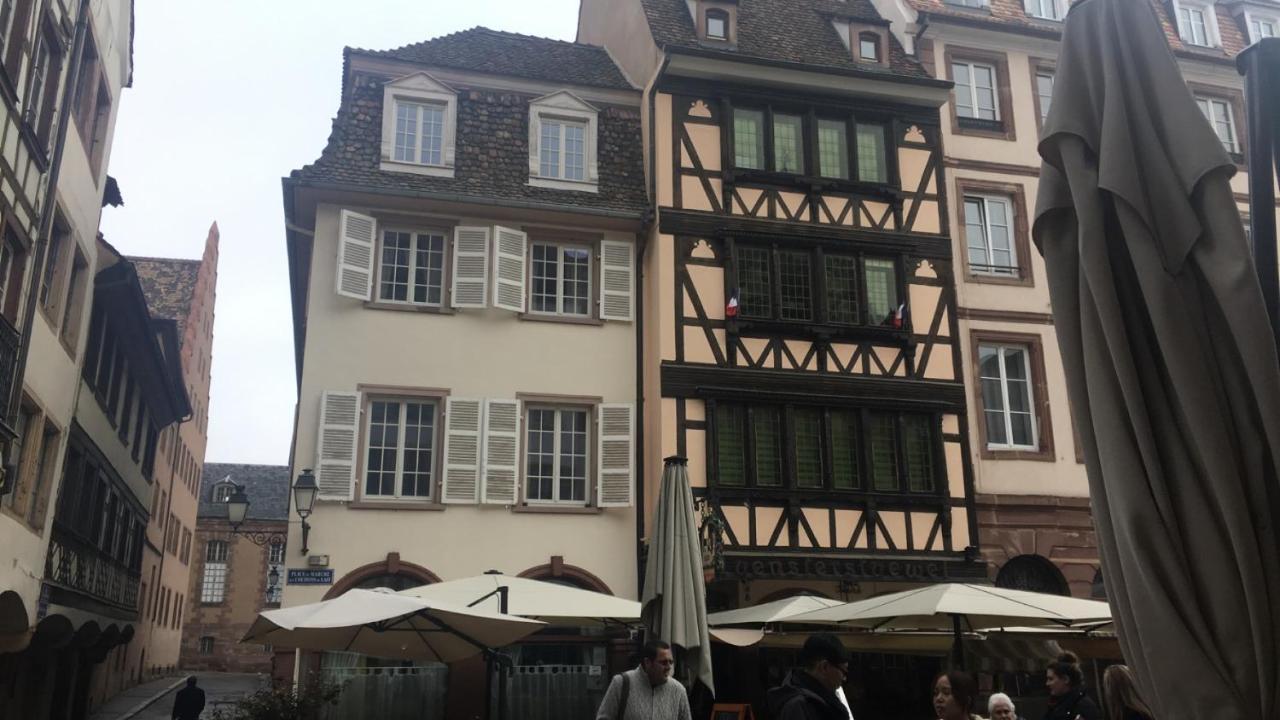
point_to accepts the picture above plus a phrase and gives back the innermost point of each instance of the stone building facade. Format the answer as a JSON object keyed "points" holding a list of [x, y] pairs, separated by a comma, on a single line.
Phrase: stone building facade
{"points": [[231, 578]]}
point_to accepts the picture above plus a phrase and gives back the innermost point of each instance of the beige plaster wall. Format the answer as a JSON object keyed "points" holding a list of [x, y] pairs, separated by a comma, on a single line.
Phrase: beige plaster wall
{"points": [[623, 29]]}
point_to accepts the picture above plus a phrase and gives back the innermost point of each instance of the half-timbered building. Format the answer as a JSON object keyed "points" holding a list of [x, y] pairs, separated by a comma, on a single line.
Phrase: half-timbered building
{"points": [[801, 345]]}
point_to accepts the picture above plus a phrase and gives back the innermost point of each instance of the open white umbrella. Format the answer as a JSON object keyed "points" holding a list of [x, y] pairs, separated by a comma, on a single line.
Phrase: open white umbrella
{"points": [[771, 612], [547, 601], [384, 624]]}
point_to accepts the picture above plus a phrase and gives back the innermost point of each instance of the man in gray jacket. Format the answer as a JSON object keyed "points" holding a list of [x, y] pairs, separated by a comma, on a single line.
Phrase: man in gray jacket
{"points": [[646, 692]]}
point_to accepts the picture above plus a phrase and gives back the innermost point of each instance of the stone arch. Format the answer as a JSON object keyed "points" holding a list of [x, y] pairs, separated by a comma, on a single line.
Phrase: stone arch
{"points": [[1035, 573], [393, 566], [557, 570]]}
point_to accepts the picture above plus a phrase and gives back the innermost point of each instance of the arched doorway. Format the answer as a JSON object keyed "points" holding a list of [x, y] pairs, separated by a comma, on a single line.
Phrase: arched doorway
{"points": [[392, 573], [1033, 573]]}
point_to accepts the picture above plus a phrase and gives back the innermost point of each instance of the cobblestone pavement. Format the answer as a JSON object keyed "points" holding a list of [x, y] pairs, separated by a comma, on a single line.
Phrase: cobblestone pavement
{"points": [[220, 690]]}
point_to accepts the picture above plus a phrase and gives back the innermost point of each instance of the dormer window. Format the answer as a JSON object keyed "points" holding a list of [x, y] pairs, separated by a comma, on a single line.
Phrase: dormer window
{"points": [[1262, 27], [419, 126], [717, 24], [869, 47], [1197, 22], [222, 491], [562, 143]]}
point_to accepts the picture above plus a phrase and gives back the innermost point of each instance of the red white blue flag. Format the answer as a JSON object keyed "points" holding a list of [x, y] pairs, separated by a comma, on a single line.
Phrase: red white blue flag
{"points": [[731, 307]]}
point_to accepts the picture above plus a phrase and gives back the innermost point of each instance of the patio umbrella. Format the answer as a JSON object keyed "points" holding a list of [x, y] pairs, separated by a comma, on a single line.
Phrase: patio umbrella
{"points": [[383, 624], [547, 601], [675, 606], [1171, 367], [960, 608], [771, 612]]}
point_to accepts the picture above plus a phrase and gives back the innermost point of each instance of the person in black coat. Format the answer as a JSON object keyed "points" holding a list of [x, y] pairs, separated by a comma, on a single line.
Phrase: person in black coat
{"points": [[809, 691], [1067, 699], [189, 702]]}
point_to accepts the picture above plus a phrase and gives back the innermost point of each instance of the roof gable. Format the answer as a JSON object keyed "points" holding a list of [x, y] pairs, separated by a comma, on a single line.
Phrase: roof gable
{"points": [[564, 100], [420, 81]]}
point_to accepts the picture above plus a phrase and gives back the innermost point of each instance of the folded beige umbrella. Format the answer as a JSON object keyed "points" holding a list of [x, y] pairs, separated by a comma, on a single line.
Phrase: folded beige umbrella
{"points": [[551, 602], [384, 624]]}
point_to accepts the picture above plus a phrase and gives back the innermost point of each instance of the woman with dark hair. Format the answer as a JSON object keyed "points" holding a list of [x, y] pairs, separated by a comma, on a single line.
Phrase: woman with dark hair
{"points": [[1122, 699], [1067, 700], [954, 693]]}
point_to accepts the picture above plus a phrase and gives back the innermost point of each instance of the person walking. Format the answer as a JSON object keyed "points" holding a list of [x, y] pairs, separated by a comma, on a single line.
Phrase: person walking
{"points": [[808, 692], [189, 702], [954, 695], [1067, 699], [1001, 707], [646, 691], [1123, 702]]}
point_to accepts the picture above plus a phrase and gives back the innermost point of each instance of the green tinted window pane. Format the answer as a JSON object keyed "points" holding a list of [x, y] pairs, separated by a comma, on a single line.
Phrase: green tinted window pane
{"points": [[844, 450], [884, 458], [808, 444], [842, 289], [767, 428], [754, 286], [871, 155], [731, 468], [793, 274], [918, 446], [882, 291], [748, 139], [788, 144], [833, 151]]}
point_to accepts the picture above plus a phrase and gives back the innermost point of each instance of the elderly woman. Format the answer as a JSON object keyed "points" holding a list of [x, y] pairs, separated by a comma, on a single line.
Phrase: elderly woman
{"points": [[1000, 707]]}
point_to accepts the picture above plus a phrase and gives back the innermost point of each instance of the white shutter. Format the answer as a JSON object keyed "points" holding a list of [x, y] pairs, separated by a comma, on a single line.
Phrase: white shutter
{"points": [[509, 268], [617, 274], [462, 422], [357, 235], [470, 266], [616, 471], [501, 451], [336, 444]]}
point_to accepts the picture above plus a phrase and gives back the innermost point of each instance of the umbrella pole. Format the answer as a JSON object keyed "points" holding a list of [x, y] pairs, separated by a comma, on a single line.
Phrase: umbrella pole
{"points": [[1260, 64], [957, 646]]}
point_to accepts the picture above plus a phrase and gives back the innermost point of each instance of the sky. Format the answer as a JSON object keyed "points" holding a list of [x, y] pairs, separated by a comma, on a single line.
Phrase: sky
{"points": [[227, 98]]}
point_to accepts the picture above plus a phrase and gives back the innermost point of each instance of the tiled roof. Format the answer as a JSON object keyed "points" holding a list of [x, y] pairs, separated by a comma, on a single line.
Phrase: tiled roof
{"points": [[795, 31], [266, 485], [169, 285], [1012, 15], [502, 53], [492, 155]]}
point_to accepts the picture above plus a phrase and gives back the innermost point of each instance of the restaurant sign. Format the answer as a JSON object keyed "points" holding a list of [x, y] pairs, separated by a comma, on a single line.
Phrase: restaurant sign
{"points": [[852, 569]]}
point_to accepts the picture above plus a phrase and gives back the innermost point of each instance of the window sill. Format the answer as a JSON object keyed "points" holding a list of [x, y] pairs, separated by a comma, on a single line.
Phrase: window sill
{"points": [[997, 129], [392, 505], [556, 509], [811, 330], [409, 307], [415, 169], [560, 319], [810, 182], [991, 279], [1042, 455], [556, 184]]}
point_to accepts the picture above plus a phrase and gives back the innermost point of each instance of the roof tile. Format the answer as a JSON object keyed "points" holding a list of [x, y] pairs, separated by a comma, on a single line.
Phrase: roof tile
{"points": [[169, 285], [266, 485]]}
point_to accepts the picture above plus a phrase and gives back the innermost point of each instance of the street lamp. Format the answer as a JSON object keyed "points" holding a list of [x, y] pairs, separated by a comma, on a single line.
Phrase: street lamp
{"points": [[304, 497]]}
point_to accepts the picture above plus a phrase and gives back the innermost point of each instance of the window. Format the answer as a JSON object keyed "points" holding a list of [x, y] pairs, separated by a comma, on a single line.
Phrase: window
{"points": [[968, 3], [1007, 405], [222, 493], [988, 229], [400, 455], [816, 448], [748, 139], [858, 290], [59, 239], [869, 47], [1261, 28], [13, 260], [975, 89], [1044, 92], [72, 310], [419, 115], [871, 154], [213, 583], [6, 24], [561, 276], [788, 144], [833, 149], [38, 78], [557, 455], [1192, 25], [92, 104], [1219, 114], [185, 555], [275, 561], [419, 133], [206, 645], [412, 267], [1043, 9], [717, 25], [563, 149]]}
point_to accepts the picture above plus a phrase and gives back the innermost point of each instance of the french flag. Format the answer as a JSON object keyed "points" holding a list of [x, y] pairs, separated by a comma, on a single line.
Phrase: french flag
{"points": [[731, 307], [900, 316]]}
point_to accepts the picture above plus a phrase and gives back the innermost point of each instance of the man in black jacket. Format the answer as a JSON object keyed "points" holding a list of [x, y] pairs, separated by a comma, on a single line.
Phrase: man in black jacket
{"points": [[189, 702], [809, 691]]}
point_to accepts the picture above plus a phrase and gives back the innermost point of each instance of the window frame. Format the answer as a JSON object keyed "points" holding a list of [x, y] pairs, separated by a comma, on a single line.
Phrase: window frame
{"points": [[566, 108], [876, 45], [1040, 66], [1209, 18], [1040, 4], [1234, 102], [811, 119], [415, 232], [214, 573], [561, 164], [422, 89], [561, 244], [529, 404], [1004, 126], [719, 14], [1020, 240], [789, 457], [1038, 384], [1255, 33], [985, 200], [437, 449]]}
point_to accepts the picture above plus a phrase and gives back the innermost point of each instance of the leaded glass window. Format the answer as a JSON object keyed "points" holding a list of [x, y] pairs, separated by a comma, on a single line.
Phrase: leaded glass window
{"points": [[884, 458], [807, 441], [731, 444], [833, 149], [755, 289], [842, 289], [872, 167], [766, 427], [788, 143], [795, 285], [881, 278], [748, 139], [845, 472], [917, 444]]}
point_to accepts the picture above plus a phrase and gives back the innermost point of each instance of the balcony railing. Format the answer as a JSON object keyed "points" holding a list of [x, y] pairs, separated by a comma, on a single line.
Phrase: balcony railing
{"points": [[79, 566], [10, 340]]}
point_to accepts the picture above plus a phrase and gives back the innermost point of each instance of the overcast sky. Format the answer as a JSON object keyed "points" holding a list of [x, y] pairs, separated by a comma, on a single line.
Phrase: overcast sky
{"points": [[227, 98]]}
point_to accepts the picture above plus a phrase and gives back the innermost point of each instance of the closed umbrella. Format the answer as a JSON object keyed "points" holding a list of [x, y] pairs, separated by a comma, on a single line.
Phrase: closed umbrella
{"points": [[1171, 367], [537, 599], [674, 598], [384, 624]]}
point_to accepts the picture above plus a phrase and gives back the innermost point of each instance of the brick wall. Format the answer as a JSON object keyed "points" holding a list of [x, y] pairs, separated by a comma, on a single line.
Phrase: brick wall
{"points": [[227, 621], [1059, 529]]}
